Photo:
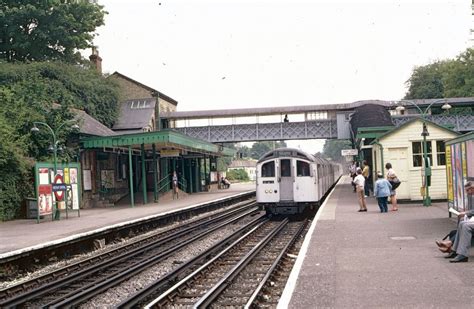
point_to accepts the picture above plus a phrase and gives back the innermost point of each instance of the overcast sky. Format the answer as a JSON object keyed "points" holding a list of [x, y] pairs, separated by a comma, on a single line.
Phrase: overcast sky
{"points": [[235, 54]]}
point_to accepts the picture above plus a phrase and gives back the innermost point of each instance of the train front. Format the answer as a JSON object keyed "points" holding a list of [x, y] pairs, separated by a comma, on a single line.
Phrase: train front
{"points": [[286, 181]]}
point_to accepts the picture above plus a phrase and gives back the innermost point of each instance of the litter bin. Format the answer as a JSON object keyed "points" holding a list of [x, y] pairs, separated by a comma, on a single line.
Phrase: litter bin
{"points": [[31, 208]]}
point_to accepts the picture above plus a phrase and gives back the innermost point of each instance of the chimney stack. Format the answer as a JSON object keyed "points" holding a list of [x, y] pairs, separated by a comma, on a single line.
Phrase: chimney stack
{"points": [[96, 60]]}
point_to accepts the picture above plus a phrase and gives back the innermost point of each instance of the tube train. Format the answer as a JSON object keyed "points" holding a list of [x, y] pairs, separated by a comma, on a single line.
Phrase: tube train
{"points": [[290, 181]]}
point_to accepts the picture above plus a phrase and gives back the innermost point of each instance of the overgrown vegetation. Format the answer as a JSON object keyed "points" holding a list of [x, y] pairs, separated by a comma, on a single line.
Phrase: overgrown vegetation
{"points": [[450, 78], [27, 94], [237, 175], [32, 30]]}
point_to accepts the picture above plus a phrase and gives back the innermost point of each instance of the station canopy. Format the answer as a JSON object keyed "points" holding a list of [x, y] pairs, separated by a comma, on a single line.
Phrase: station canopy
{"points": [[164, 139]]}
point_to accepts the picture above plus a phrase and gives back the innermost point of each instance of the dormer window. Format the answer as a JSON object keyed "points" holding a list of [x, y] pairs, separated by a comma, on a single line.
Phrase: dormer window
{"points": [[139, 104]]}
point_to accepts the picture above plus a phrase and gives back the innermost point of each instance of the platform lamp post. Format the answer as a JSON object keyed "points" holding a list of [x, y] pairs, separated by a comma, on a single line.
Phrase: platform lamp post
{"points": [[424, 133], [54, 147]]}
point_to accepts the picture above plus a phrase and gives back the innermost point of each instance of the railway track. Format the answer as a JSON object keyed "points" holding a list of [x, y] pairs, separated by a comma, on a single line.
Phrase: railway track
{"points": [[78, 282], [236, 276]]}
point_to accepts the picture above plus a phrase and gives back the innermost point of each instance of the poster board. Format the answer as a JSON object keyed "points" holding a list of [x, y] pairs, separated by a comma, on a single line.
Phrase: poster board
{"points": [[44, 188], [87, 180]]}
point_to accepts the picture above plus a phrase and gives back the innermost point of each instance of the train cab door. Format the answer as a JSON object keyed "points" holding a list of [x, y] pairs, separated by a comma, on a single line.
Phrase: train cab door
{"points": [[286, 180]]}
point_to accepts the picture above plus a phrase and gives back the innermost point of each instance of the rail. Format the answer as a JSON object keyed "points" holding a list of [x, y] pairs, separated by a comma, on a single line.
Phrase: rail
{"points": [[56, 280]]}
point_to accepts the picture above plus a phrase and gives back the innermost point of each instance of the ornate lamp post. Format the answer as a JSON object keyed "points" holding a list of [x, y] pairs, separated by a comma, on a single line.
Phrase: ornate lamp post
{"points": [[424, 133], [54, 147]]}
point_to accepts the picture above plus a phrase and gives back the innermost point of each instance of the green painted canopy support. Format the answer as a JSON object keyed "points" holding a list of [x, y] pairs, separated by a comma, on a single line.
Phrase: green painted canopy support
{"points": [[155, 176], [190, 164], [145, 195], [130, 163], [206, 174], [200, 174], [183, 171]]}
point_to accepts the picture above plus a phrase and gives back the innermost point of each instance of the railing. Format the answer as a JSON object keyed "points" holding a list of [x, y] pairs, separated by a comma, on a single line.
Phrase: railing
{"points": [[165, 183], [182, 185], [459, 123]]}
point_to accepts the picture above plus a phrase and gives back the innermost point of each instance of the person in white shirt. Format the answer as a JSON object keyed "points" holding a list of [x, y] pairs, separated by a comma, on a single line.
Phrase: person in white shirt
{"points": [[359, 182]]}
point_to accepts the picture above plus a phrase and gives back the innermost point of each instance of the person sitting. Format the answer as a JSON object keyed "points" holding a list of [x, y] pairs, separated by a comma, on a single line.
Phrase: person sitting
{"points": [[459, 248], [225, 183]]}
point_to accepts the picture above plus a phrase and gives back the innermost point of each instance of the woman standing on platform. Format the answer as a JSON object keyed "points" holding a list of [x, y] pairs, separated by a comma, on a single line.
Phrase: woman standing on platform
{"points": [[382, 191], [391, 176], [359, 182]]}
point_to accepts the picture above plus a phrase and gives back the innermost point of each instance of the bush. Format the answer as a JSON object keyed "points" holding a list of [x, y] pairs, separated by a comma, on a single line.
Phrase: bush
{"points": [[237, 175]]}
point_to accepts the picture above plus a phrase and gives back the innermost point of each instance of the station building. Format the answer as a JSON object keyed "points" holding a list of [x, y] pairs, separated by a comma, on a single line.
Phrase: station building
{"points": [[134, 160], [403, 148]]}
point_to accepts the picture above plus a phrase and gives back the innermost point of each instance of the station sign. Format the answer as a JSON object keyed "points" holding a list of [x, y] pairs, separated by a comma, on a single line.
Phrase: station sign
{"points": [[59, 187], [349, 152], [58, 183], [164, 153]]}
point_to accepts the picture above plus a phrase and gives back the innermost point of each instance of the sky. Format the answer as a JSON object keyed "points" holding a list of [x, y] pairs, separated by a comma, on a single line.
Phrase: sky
{"points": [[254, 53]]}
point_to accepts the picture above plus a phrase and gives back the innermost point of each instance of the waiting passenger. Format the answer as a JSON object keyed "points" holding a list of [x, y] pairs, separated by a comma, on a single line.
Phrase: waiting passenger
{"points": [[462, 241], [382, 192], [359, 182], [393, 179], [225, 183]]}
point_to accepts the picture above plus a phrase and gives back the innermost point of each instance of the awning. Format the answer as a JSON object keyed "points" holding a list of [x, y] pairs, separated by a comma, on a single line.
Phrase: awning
{"points": [[164, 139]]}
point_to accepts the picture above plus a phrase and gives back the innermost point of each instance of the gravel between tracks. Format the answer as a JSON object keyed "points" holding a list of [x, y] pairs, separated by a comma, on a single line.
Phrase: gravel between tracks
{"points": [[122, 242], [115, 295]]}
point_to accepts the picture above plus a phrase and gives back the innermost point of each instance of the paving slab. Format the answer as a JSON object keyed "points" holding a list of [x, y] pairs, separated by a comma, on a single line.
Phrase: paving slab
{"points": [[20, 235], [377, 260]]}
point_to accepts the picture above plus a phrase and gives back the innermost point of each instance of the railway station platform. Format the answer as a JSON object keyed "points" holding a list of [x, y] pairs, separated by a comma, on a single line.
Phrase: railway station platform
{"points": [[23, 235], [353, 259]]}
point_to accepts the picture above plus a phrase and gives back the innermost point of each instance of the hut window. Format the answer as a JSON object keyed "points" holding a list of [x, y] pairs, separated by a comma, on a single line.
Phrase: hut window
{"points": [[441, 152], [417, 151]]}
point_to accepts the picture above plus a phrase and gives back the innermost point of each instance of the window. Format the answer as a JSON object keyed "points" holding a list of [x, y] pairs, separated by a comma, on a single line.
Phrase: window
{"points": [[441, 152], [316, 115], [268, 169], [417, 150], [285, 168], [302, 169], [140, 104]]}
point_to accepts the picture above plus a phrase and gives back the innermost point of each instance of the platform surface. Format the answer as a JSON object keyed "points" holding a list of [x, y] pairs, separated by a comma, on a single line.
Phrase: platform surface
{"points": [[378, 260], [21, 235]]}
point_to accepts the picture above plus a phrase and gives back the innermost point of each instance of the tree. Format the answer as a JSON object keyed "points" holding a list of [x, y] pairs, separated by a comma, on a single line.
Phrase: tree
{"points": [[42, 92], [237, 174], [426, 82], [260, 148], [39, 84], [332, 149], [32, 30], [443, 79]]}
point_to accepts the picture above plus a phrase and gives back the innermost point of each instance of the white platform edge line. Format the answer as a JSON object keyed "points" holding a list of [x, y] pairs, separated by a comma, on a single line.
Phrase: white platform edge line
{"points": [[287, 294], [72, 237]]}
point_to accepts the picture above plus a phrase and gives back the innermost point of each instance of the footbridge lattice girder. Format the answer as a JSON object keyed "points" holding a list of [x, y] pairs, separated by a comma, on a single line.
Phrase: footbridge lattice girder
{"points": [[320, 129]]}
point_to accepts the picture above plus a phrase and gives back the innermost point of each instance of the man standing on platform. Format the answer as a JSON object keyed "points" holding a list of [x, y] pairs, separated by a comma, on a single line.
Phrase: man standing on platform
{"points": [[359, 182]]}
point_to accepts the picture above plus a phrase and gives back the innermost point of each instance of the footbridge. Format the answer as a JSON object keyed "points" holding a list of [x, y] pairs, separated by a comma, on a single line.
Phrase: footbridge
{"points": [[326, 121]]}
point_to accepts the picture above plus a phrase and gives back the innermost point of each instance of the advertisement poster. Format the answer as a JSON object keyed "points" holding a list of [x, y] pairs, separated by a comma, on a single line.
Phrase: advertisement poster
{"points": [[458, 178], [470, 159], [75, 196], [73, 175], [86, 176], [449, 175], [43, 176], [66, 175], [45, 200]]}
